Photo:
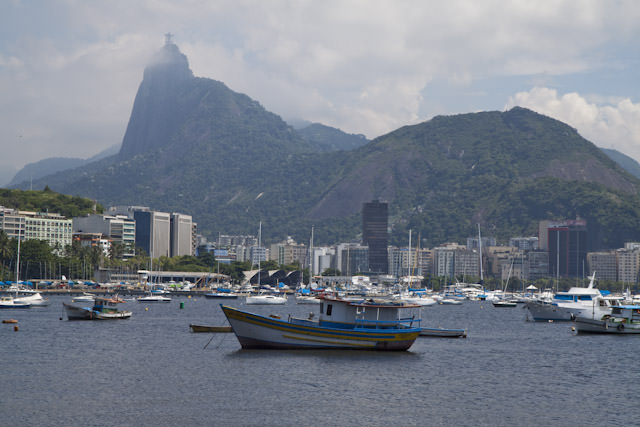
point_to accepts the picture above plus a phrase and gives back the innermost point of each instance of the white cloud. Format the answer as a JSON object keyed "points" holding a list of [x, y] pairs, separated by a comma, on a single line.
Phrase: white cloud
{"points": [[613, 124]]}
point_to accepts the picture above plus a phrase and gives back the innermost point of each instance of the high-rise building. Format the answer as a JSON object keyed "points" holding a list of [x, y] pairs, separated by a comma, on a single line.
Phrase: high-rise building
{"points": [[153, 231], [181, 235], [375, 218], [567, 242]]}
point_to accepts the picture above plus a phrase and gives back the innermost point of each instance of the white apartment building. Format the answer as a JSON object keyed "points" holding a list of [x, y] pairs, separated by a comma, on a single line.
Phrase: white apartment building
{"points": [[53, 228]]}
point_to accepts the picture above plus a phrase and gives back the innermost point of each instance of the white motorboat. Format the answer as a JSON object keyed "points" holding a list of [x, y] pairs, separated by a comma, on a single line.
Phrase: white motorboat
{"points": [[84, 297], [266, 299], [10, 302], [624, 319], [576, 302], [306, 299], [36, 300], [449, 301], [154, 298], [421, 300]]}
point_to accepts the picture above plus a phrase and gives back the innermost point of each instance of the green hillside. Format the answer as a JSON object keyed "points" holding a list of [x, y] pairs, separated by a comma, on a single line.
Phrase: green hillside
{"points": [[47, 201]]}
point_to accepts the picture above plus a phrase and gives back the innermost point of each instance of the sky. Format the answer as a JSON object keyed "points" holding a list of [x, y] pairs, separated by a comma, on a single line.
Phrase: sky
{"points": [[70, 69]]}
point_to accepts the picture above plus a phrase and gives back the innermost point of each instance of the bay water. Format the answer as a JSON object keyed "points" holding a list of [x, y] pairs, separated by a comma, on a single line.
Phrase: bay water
{"points": [[151, 370]]}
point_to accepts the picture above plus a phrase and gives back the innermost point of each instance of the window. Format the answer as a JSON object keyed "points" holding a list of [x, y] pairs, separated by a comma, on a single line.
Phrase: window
{"points": [[329, 307]]}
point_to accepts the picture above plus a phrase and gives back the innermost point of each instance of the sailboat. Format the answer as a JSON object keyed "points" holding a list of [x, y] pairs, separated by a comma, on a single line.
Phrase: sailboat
{"points": [[418, 297], [303, 295], [263, 298], [503, 302], [152, 296], [8, 301]]}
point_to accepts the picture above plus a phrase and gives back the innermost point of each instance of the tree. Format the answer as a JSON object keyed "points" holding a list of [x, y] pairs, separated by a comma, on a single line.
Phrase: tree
{"points": [[331, 272]]}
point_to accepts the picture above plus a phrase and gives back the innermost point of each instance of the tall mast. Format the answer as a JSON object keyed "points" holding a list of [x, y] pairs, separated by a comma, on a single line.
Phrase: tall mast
{"points": [[480, 252], [409, 263], [258, 251], [18, 257], [311, 257]]}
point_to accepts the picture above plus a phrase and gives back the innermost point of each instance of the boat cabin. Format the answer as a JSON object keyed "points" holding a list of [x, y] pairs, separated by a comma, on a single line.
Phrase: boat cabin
{"points": [[368, 314]]}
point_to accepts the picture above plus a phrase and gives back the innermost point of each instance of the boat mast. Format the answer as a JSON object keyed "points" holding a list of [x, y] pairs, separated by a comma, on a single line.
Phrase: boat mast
{"points": [[409, 264], [480, 253], [311, 257], [18, 257], [258, 250]]}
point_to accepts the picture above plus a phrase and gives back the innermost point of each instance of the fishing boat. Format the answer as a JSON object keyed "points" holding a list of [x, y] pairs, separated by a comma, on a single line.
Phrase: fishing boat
{"points": [[203, 328], [10, 302], [343, 324], [102, 309], [624, 319]]}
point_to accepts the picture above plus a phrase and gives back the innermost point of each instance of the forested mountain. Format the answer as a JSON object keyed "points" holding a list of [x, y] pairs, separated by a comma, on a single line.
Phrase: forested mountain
{"points": [[326, 138], [52, 165], [197, 147]]}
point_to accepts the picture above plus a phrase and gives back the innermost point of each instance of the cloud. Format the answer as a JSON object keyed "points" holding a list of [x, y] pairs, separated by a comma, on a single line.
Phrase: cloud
{"points": [[608, 123]]}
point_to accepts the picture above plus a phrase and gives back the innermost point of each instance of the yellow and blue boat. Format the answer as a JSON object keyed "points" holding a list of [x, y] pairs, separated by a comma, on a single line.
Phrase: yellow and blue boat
{"points": [[363, 324]]}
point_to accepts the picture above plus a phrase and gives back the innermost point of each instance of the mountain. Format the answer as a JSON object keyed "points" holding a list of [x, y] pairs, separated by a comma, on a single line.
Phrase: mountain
{"points": [[629, 164], [195, 146], [52, 165], [326, 138], [504, 170]]}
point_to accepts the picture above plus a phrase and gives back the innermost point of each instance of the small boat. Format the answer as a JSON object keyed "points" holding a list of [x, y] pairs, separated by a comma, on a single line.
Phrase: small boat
{"points": [[84, 297], [265, 299], [203, 328], [36, 300], [10, 302], [624, 319], [102, 309], [221, 295], [306, 299], [504, 303], [154, 298], [450, 301], [342, 324], [443, 333]]}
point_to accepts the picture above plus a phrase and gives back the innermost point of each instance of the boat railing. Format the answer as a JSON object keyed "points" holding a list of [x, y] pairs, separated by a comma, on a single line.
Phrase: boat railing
{"points": [[401, 323]]}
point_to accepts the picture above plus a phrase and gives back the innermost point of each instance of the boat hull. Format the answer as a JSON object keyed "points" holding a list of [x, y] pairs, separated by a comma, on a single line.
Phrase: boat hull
{"points": [[204, 328], [609, 326], [544, 311], [443, 333], [15, 305], [221, 295], [260, 332]]}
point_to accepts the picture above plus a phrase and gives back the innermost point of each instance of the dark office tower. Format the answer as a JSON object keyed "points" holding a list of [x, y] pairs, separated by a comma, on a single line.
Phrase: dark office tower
{"points": [[375, 217], [567, 248]]}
